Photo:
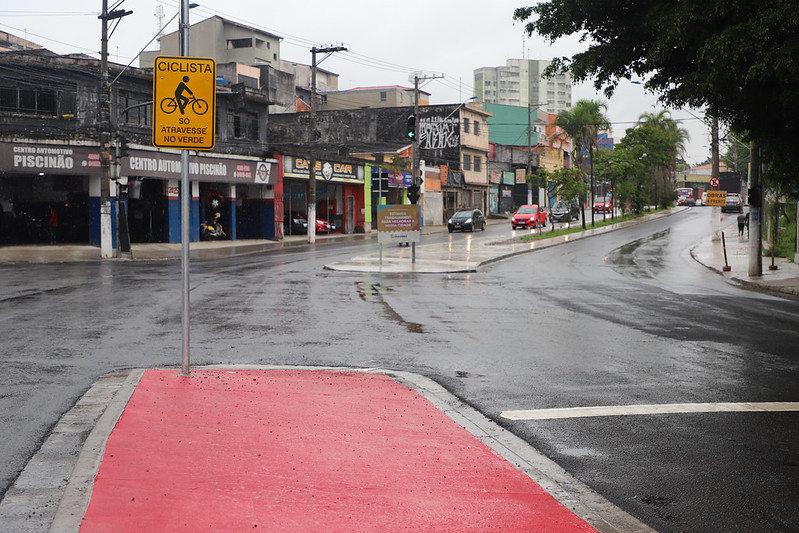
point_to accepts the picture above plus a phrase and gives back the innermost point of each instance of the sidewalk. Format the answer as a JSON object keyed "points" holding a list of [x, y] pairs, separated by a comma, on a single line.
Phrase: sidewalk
{"points": [[784, 281]]}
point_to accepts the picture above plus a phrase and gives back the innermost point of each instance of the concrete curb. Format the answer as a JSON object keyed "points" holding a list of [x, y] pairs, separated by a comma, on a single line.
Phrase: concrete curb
{"points": [[32, 502], [78, 491]]}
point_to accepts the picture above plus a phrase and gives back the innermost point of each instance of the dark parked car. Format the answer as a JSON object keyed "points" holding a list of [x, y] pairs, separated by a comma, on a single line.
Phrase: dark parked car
{"points": [[733, 203], [467, 219], [564, 211], [297, 224]]}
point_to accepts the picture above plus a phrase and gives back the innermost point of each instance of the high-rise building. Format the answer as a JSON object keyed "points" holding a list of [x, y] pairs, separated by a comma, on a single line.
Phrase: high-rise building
{"points": [[519, 83]]}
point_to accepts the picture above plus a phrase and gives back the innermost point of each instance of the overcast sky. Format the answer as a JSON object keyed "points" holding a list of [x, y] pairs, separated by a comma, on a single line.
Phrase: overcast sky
{"points": [[387, 43]]}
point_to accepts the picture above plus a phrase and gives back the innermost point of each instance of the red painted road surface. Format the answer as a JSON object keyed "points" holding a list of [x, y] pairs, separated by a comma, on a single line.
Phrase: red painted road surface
{"points": [[294, 450]]}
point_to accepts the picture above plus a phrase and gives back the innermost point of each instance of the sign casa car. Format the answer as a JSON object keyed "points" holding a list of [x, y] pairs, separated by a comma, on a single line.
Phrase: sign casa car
{"points": [[184, 102]]}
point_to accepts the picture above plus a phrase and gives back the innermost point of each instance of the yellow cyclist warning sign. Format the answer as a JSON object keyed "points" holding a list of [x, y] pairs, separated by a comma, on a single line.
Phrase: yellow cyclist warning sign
{"points": [[184, 102]]}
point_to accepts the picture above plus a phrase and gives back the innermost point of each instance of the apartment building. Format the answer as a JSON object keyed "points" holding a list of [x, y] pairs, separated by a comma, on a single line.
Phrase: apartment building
{"points": [[520, 83]]}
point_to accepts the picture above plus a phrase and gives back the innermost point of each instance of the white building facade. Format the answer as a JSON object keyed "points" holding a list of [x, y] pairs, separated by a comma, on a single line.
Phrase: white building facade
{"points": [[519, 83]]}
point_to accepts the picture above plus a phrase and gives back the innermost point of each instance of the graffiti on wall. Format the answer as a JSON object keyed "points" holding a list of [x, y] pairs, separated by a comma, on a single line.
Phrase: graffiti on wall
{"points": [[437, 133], [439, 140]]}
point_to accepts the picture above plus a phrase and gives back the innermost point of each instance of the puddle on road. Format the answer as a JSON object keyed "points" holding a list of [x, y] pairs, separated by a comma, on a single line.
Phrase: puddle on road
{"points": [[642, 258], [373, 292]]}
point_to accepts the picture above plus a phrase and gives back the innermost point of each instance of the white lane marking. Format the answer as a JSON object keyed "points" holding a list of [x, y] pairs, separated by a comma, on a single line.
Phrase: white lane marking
{"points": [[656, 409]]}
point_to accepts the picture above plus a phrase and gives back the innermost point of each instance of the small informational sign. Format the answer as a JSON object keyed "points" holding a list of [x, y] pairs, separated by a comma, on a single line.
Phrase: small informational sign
{"points": [[398, 223], [184, 102], [716, 198]]}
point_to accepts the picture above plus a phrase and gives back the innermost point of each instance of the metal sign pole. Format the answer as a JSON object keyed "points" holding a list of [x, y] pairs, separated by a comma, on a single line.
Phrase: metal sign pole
{"points": [[185, 196]]}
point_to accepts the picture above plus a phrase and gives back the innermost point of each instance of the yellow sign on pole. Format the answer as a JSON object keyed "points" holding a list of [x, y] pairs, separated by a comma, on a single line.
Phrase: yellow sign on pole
{"points": [[716, 198], [184, 102]]}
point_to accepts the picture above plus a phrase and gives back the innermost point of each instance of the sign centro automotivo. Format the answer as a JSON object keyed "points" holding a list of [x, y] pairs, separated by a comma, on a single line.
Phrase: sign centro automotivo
{"points": [[184, 102]]}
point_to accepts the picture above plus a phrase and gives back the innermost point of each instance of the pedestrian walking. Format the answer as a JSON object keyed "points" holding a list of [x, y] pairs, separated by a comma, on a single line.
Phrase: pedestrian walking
{"points": [[741, 224]]}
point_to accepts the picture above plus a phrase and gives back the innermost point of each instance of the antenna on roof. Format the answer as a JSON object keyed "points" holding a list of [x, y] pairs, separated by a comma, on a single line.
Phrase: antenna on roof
{"points": [[159, 16]]}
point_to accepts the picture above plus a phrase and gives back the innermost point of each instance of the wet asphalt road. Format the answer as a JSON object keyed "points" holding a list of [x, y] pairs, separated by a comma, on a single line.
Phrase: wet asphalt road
{"points": [[621, 318]]}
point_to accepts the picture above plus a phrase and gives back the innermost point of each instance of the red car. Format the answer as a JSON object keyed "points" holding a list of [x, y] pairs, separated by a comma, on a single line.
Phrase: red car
{"points": [[603, 204], [529, 216]]}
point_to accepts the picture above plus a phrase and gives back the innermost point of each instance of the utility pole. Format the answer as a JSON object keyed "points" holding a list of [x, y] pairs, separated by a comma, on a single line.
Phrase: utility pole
{"points": [[315, 134], [755, 213], [715, 172], [104, 124], [107, 248], [529, 139], [530, 107], [415, 156], [415, 152]]}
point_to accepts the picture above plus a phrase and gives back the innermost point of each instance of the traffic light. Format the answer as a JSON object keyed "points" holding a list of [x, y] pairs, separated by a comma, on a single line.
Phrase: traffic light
{"points": [[413, 194], [123, 150], [411, 127]]}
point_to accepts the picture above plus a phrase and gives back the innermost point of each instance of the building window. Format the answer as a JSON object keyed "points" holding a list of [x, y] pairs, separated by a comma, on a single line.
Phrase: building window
{"points": [[476, 128], [383, 96], [243, 126], [478, 163], [38, 101], [135, 110], [467, 162], [248, 81], [239, 43], [466, 126]]}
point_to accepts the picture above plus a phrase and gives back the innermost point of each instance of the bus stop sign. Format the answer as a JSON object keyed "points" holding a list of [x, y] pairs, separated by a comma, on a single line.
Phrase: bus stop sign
{"points": [[184, 102]]}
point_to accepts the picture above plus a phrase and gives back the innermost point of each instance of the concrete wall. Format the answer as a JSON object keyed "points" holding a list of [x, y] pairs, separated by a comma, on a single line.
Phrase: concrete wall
{"points": [[433, 208]]}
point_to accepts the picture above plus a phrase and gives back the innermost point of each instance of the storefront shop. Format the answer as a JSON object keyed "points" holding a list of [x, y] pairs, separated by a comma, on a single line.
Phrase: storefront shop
{"points": [[339, 195], [240, 190], [44, 192], [501, 191], [51, 193]]}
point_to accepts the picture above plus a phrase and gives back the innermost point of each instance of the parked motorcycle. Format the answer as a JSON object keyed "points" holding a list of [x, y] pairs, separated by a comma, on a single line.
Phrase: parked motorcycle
{"points": [[211, 230]]}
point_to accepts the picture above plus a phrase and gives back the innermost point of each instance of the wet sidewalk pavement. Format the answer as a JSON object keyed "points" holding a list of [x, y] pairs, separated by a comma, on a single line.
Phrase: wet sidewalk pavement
{"points": [[783, 280]]}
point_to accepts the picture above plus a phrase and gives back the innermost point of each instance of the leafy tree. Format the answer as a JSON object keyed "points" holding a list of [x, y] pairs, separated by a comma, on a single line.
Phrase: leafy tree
{"points": [[619, 167], [673, 140], [566, 183], [738, 60], [633, 166]]}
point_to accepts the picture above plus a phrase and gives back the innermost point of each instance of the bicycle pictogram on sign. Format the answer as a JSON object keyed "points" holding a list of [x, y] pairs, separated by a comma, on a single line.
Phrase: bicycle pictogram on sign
{"points": [[179, 101]]}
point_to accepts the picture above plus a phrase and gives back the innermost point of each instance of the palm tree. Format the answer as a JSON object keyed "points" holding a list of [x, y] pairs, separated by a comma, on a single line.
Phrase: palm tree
{"points": [[582, 124]]}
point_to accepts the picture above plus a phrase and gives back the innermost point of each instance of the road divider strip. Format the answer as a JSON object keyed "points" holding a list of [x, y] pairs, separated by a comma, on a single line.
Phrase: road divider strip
{"points": [[654, 409]]}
